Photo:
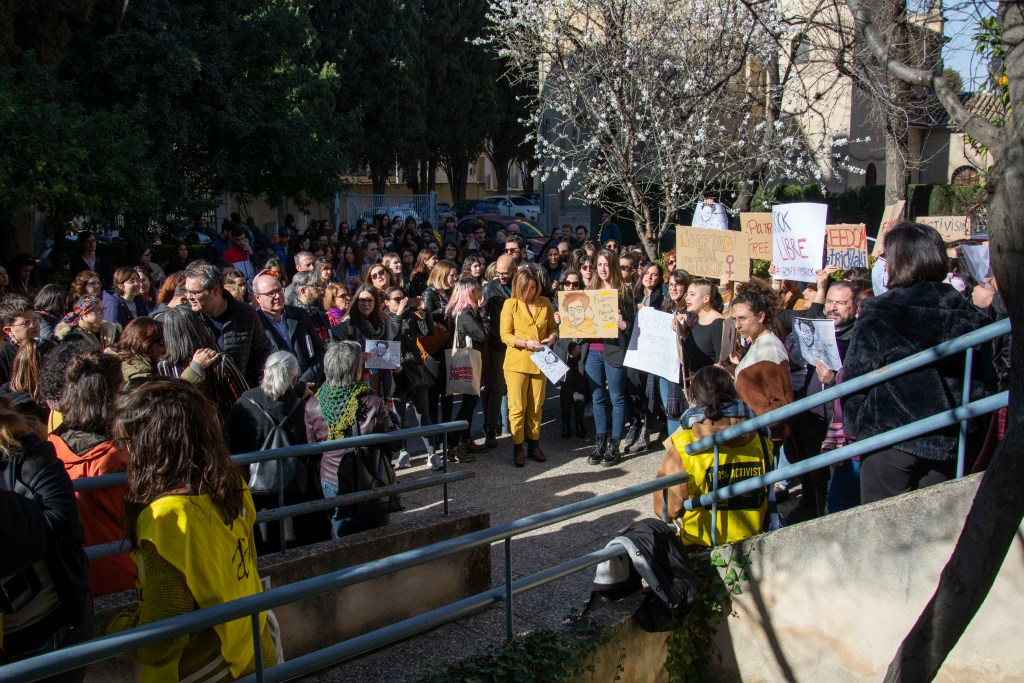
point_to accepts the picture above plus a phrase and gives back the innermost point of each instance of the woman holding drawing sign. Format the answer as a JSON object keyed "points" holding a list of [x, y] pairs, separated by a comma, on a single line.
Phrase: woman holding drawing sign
{"points": [[603, 364], [527, 324]]}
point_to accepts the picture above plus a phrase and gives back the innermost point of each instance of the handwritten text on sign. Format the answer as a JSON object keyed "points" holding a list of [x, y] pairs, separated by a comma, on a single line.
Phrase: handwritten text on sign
{"points": [[847, 246], [952, 228], [890, 217], [798, 240], [654, 346], [758, 227], [589, 314], [719, 254]]}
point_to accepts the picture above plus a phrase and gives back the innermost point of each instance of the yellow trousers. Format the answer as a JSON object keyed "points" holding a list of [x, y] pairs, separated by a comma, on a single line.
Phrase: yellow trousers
{"points": [[525, 401]]}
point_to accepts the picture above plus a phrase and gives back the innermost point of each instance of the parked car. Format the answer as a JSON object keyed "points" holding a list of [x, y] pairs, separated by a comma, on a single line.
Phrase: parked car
{"points": [[444, 210], [514, 205], [475, 207], [535, 237]]}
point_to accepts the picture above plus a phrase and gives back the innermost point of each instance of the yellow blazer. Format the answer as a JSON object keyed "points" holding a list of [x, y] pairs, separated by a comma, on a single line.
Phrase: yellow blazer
{"points": [[517, 323]]}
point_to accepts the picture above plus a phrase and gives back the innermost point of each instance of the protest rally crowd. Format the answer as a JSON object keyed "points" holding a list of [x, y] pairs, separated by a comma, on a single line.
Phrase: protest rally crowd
{"points": [[165, 370]]}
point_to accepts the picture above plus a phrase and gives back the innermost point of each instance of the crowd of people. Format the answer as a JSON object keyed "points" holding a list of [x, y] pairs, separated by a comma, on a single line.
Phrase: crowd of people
{"points": [[162, 371]]}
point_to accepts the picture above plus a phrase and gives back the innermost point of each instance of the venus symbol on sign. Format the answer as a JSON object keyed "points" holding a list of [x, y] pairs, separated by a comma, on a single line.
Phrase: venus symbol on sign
{"points": [[729, 258]]}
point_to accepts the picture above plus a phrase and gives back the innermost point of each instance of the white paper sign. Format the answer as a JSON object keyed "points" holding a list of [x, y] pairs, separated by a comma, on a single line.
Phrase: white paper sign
{"points": [[818, 342], [977, 259], [710, 216], [550, 364], [798, 240], [384, 355], [654, 346]]}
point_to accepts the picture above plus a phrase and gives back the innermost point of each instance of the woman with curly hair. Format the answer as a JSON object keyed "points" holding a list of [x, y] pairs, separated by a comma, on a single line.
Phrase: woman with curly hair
{"points": [[85, 283], [190, 523], [762, 373]]}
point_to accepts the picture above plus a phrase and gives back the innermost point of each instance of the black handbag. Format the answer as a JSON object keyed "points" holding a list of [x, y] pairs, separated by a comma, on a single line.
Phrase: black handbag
{"points": [[365, 469], [266, 476]]}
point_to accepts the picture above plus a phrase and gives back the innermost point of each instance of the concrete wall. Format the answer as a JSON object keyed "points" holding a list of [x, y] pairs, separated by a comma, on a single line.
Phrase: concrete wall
{"points": [[832, 599], [329, 618]]}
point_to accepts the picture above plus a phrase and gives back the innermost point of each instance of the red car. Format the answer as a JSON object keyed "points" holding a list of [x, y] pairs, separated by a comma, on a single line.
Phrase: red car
{"points": [[534, 236]]}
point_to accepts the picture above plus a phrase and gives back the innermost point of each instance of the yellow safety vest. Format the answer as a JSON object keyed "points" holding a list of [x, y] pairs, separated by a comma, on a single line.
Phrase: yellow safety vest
{"points": [[739, 517], [217, 559]]}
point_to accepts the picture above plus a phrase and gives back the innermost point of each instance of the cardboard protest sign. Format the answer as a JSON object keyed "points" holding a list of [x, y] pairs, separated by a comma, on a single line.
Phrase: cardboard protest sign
{"points": [[758, 227], [818, 342], [846, 246], [721, 254], [654, 345], [550, 364], [798, 240], [384, 355], [952, 228], [890, 217], [589, 314], [713, 216]]}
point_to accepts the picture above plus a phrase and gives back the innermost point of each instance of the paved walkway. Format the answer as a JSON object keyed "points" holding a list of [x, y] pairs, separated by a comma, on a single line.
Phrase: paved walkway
{"points": [[509, 493]]}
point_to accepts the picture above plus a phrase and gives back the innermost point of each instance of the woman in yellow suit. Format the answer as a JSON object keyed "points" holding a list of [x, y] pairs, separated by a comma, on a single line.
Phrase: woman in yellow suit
{"points": [[527, 324]]}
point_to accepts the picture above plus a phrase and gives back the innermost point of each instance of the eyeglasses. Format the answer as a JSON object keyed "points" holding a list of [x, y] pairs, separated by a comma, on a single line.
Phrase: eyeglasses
{"points": [[396, 299], [273, 292], [344, 295], [378, 274], [625, 267], [197, 292], [571, 284], [365, 300], [514, 250], [500, 274]]}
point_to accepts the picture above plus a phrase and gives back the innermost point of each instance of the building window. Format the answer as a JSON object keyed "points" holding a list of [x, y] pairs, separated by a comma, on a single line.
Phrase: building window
{"points": [[801, 49], [870, 176], [965, 175]]}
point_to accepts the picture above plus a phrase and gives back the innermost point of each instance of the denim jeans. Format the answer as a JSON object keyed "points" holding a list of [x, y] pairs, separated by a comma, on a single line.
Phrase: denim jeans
{"points": [[663, 388], [350, 525], [607, 384]]}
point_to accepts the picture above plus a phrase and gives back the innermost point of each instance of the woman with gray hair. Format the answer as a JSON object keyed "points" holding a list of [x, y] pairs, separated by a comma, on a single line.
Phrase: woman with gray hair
{"points": [[185, 335], [271, 416], [345, 406]]}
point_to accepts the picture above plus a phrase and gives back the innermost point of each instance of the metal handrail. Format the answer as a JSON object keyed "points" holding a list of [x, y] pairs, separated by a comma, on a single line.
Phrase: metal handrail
{"points": [[855, 384], [120, 478], [96, 650]]}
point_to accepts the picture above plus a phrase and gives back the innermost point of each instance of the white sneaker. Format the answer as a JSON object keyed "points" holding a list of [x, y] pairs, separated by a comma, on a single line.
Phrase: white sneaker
{"points": [[437, 462], [404, 460]]}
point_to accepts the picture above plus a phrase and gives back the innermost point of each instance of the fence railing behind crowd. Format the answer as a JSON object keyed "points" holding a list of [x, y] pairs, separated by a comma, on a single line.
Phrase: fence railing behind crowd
{"points": [[102, 648], [282, 511]]}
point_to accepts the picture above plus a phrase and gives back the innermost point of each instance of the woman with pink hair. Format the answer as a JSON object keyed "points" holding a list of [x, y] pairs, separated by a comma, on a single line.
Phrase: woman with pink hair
{"points": [[468, 329]]}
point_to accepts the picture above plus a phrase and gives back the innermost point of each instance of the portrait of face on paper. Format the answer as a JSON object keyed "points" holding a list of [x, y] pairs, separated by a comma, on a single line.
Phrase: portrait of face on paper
{"points": [[710, 216], [589, 314], [550, 364], [818, 342], [384, 355]]}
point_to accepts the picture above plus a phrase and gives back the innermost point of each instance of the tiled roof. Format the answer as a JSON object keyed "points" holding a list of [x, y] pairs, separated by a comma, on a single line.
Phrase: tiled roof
{"points": [[928, 112]]}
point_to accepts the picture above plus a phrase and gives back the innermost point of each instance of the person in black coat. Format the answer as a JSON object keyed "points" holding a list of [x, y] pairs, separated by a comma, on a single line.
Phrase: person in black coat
{"points": [[288, 328], [466, 315], [249, 423], [43, 558], [918, 312], [572, 393]]}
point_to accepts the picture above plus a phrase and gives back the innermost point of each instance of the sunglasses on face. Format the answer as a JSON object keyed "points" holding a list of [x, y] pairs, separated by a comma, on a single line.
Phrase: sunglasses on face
{"points": [[512, 251], [396, 299], [572, 284]]}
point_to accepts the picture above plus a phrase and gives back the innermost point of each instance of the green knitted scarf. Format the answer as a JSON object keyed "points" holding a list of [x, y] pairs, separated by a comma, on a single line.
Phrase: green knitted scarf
{"points": [[339, 406]]}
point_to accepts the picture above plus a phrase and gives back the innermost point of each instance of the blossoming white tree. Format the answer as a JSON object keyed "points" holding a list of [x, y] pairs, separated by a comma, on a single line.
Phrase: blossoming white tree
{"points": [[646, 106]]}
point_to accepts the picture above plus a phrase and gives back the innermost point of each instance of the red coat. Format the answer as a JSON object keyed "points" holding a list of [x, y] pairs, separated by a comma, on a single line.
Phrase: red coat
{"points": [[101, 512]]}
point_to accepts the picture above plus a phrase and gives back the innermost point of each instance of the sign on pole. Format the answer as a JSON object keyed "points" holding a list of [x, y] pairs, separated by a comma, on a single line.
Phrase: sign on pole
{"points": [[847, 246], [720, 254], [758, 227], [798, 240], [890, 218], [952, 228]]}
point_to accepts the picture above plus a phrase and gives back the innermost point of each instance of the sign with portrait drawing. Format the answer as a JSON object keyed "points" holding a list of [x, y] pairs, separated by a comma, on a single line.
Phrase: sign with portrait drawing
{"points": [[589, 314]]}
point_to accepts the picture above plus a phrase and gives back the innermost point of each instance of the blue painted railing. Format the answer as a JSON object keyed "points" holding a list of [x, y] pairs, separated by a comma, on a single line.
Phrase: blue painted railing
{"points": [[108, 646]]}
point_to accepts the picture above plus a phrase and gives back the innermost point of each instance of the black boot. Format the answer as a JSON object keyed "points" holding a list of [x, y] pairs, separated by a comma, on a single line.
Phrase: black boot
{"points": [[518, 456], [611, 454], [581, 428], [566, 427], [631, 435], [641, 439], [597, 455]]}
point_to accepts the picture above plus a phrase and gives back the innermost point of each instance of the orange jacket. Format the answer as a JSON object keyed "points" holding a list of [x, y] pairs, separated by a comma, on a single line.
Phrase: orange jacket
{"points": [[101, 512]]}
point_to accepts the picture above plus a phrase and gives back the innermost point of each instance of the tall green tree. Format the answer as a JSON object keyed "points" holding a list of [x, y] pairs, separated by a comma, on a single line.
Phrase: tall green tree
{"points": [[510, 141]]}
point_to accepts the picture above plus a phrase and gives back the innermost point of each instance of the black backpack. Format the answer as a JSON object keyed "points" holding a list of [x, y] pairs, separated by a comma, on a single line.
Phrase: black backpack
{"points": [[266, 476]]}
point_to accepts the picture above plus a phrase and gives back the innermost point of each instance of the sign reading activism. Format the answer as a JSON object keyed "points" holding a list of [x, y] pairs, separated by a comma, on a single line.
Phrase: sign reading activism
{"points": [[710, 216], [847, 246], [798, 240], [952, 228], [721, 254], [654, 345], [589, 314], [890, 218], [758, 227]]}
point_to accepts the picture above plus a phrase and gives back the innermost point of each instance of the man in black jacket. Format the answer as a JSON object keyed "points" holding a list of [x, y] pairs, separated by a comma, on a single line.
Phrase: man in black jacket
{"points": [[235, 326], [288, 328]]}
